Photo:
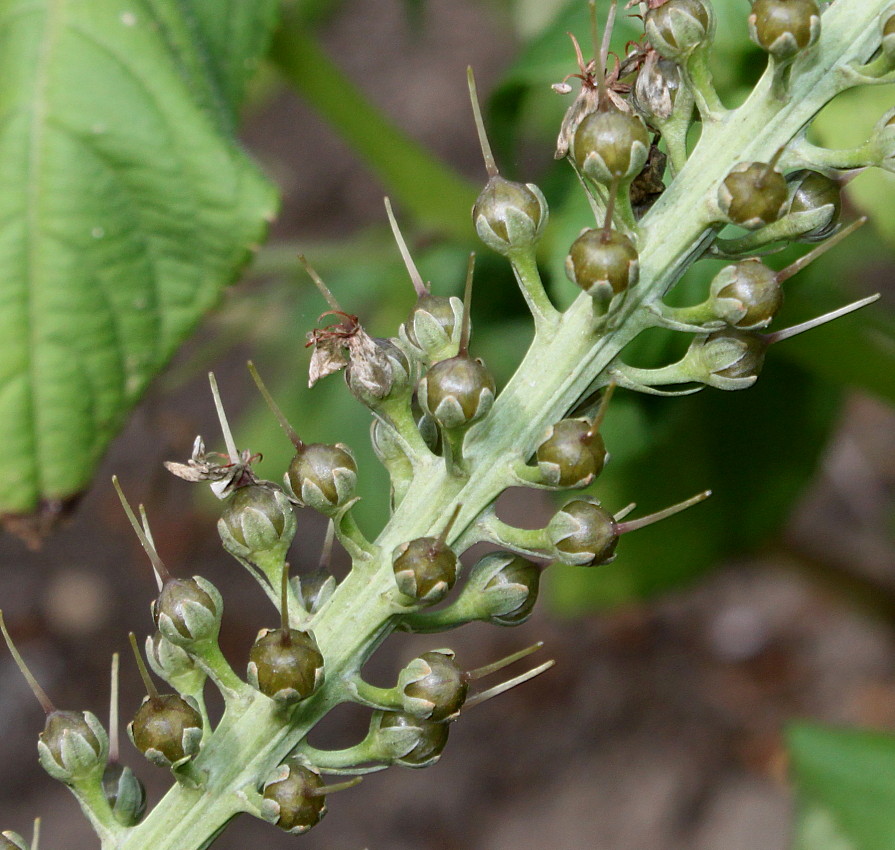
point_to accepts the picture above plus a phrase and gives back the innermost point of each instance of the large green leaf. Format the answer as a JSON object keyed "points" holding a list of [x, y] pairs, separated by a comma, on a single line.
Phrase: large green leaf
{"points": [[846, 787], [125, 206]]}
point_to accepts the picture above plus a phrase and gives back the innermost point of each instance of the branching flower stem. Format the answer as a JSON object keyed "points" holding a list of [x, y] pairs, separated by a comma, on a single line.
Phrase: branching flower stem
{"points": [[567, 359]]}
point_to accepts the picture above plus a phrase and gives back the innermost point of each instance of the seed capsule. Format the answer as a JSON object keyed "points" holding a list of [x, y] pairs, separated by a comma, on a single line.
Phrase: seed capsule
{"points": [[784, 28], [503, 588], [125, 794], [188, 611], [583, 533], [677, 28], [811, 191], [259, 520], [285, 665], [753, 194], [457, 392], [173, 664], [12, 841], [610, 145], [433, 686], [746, 295], [294, 798], [322, 476], [167, 729], [425, 569], [603, 263], [572, 454], [433, 326], [430, 741]]}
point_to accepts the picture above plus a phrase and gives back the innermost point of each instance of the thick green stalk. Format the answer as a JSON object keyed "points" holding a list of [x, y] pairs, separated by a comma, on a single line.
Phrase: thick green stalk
{"points": [[561, 367]]}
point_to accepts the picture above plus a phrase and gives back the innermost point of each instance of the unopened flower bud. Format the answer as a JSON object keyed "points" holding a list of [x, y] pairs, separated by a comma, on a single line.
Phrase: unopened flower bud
{"points": [[73, 746], [433, 686], [746, 294], [610, 145], [584, 533], [124, 793], [167, 729], [753, 194], [322, 476], [257, 521], [784, 28], [188, 611], [509, 216], [677, 28], [293, 798], [285, 665]]}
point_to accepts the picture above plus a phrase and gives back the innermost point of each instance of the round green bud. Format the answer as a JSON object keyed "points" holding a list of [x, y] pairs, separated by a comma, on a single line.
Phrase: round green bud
{"points": [[583, 533], [12, 841], [257, 520], [433, 686], [167, 729], [188, 611], [570, 455], [677, 28], [611, 145], [431, 737], [322, 476], [425, 569], [72, 746], [746, 294], [502, 589], [457, 392], [784, 28], [287, 666], [124, 793], [509, 216], [753, 194], [292, 798], [603, 263], [815, 193], [433, 326]]}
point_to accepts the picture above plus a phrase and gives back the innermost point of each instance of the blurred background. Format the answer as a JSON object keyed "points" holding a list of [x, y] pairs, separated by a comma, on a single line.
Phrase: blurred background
{"points": [[680, 665]]}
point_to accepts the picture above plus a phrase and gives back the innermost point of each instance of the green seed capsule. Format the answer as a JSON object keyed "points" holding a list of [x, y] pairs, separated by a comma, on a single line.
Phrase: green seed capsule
{"points": [[124, 793], [293, 798], [610, 145], [425, 569], [322, 476], [188, 611], [784, 28], [583, 533], [433, 686], [259, 520], [12, 841], [286, 666], [509, 216], [677, 28], [457, 392], [753, 194], [603, 263], [746, 295], [813, 192], [432, 737], [167, 729], [753, 348], [571, 455], [72, 746]]}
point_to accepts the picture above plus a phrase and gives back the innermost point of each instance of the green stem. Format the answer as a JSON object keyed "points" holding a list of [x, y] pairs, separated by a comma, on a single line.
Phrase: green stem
{"points": [[426, 186], [697, 74], [525, 268]]}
